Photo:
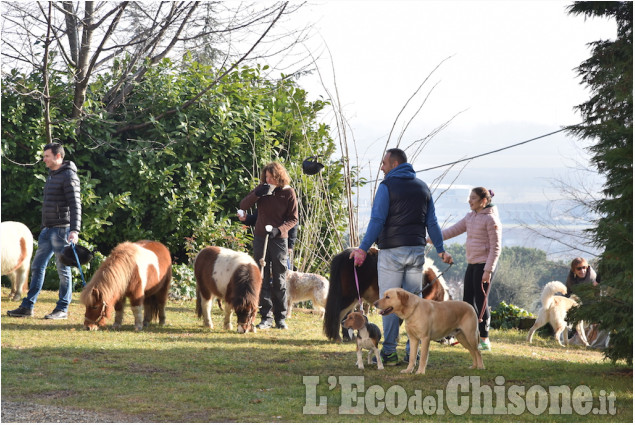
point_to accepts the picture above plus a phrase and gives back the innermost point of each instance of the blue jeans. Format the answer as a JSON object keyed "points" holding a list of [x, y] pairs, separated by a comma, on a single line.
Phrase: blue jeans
{"points": [[52, 240], [400, 267]]}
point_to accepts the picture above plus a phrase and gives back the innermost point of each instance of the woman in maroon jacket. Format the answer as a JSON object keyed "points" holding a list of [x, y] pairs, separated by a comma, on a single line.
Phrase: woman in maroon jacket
{"points": [[277, 207]]}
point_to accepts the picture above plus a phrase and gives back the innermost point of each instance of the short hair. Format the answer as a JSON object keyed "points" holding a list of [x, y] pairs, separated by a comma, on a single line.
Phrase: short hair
{"points": [[397, 155], [55, 148], [278, 172]]}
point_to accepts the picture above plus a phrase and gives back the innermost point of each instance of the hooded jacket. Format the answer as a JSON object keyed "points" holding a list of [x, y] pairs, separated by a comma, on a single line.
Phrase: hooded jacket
{"points": [[61, 206], [403, 210], [484, 235]]}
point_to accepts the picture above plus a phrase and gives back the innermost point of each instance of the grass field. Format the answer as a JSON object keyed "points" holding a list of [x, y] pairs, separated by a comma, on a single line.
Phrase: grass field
{"points": [[182, 372]]}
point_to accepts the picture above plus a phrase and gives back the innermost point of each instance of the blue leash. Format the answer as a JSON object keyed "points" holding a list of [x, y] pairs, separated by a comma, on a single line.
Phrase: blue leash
{"points": [[81, 273]]}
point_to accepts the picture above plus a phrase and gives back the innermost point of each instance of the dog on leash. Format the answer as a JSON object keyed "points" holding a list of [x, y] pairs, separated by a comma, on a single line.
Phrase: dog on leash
{"points": [[368, 337], [430, 321], [554, 311], [306, 286]]}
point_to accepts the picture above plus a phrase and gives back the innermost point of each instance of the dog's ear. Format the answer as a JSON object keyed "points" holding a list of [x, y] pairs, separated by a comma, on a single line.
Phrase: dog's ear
{"points": [[403, 297]]}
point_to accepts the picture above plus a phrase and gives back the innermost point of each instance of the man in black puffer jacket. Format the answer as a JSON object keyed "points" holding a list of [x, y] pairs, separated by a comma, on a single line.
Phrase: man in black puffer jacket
{"points": [[61, 223]]}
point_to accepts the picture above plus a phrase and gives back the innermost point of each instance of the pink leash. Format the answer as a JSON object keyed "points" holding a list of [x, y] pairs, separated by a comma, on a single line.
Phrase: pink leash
{"points": [[486, 293], [357, 285]]}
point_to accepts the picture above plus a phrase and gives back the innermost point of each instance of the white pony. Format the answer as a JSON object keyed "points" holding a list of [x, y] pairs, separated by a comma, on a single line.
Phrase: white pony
{"points": [[17, 249]]}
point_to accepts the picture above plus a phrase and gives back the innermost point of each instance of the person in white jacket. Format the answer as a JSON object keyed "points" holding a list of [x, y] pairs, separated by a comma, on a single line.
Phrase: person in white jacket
{"points": [[482, 249]]}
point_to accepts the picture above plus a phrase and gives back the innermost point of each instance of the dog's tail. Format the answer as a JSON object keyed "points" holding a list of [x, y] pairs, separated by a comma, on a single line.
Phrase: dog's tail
{"points": [[549, 291], [334, 300]]}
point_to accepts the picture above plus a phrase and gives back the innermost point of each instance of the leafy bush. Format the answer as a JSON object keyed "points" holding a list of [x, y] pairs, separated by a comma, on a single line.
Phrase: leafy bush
{"points": [[183, 285], [507, 316]]}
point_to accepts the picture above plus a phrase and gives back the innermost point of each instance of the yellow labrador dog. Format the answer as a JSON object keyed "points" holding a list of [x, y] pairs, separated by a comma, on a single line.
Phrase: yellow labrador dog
{"points": [[432, 320]]}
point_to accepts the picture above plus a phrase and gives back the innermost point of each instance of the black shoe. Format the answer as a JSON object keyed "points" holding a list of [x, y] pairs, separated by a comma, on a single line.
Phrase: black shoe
{"points": [[265, 324], [281, 325], [57, 315], [21, 312]]}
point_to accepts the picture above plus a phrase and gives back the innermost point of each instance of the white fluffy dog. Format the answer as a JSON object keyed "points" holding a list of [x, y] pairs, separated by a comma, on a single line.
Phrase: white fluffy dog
{"points": [[306, 286], [553, 311]]}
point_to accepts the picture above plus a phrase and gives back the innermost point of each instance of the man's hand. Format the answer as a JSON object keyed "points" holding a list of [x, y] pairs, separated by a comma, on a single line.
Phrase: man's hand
{"points": [[73, 237], [446, 257], [359, 255], [275, 232]]}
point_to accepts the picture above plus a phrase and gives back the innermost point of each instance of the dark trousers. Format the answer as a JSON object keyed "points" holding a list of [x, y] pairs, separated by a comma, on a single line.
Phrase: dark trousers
{"points": [[273, 295], [474, 295]]}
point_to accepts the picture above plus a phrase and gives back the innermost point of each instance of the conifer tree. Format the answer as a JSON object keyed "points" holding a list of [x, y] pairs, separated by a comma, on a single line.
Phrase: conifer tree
{"points": [[608, 121]]}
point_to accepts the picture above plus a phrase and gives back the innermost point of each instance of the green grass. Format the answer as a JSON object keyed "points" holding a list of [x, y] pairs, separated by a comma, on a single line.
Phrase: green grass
{"points": [[184, 373]]}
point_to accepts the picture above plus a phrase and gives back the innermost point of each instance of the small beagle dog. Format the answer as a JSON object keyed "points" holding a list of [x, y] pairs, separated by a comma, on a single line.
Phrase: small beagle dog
{"points": [[368, 337]]}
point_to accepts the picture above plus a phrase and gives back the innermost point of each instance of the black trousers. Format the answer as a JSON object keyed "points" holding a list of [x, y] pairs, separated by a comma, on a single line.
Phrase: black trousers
{"points": [[474, 295], [273, 295]]}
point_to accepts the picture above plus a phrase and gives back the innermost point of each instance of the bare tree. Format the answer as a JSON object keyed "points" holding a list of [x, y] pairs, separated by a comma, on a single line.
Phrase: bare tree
{"points": [[566, 222], [85, 38]]}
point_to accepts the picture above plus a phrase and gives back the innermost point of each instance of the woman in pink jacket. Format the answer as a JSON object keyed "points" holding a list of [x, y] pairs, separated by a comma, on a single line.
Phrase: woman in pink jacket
{"points": [[482, 248]]}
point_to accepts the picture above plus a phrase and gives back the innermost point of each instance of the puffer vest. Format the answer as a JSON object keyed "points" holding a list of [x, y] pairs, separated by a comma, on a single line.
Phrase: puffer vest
{"points": [[406, 221]]}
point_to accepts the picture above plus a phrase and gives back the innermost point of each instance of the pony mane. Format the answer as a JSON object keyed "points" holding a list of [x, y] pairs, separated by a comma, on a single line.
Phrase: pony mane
{"points": [[247, 285], [429, 264], [112, 277]]}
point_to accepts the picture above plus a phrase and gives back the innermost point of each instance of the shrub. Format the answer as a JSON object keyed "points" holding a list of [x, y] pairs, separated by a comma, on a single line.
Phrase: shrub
{"points": [[507, 316], [183, 285]]}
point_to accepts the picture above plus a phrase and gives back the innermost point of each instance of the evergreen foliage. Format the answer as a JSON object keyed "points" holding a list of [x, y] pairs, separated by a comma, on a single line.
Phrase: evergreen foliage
{"points": [[608, 120]]}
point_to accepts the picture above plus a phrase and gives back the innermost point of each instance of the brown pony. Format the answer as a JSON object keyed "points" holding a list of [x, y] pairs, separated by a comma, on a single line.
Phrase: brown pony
{"points": [[141, 271], [231, 276], [343, 295]]}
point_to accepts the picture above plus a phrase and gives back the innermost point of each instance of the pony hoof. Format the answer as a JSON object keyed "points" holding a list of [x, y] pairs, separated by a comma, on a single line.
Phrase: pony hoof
{"points": [[17, 297], [116, 326]]}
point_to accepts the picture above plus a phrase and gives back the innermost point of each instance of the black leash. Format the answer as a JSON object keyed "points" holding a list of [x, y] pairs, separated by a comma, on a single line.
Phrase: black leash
{"points": [[79, 266]]}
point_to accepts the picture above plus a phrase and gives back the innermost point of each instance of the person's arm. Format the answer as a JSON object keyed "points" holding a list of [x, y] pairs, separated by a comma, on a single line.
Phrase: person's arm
{"points": [[495, 234], [293, 235], [434, 230], [378, 216], [291, 215], [250, 219], [249, 200], [72, 194], [435, 234]]}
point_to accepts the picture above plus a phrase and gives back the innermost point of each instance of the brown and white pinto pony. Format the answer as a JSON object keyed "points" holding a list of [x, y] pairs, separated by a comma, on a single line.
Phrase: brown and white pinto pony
{"points": [[140, 271], [231, 276], [17, 250], [343, 296]]}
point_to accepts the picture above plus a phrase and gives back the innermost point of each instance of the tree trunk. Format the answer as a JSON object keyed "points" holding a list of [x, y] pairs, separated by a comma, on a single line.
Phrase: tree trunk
{"points": [[81, 76]]}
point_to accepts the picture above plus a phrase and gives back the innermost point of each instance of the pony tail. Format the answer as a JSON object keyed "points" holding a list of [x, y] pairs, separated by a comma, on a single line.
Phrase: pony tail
{"points": [[334, 299], [199, 309]]}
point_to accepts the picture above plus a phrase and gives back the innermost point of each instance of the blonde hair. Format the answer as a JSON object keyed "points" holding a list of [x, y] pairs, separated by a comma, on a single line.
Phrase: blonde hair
{"points": [[278, 172], [111, 279]]}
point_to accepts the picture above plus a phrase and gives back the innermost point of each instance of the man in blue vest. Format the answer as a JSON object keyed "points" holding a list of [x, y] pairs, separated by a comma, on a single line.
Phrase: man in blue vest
{"points": [[402, 211]]}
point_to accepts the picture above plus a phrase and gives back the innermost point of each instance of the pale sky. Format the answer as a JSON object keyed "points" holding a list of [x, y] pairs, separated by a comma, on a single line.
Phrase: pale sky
{"points": [[511, 70]]}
